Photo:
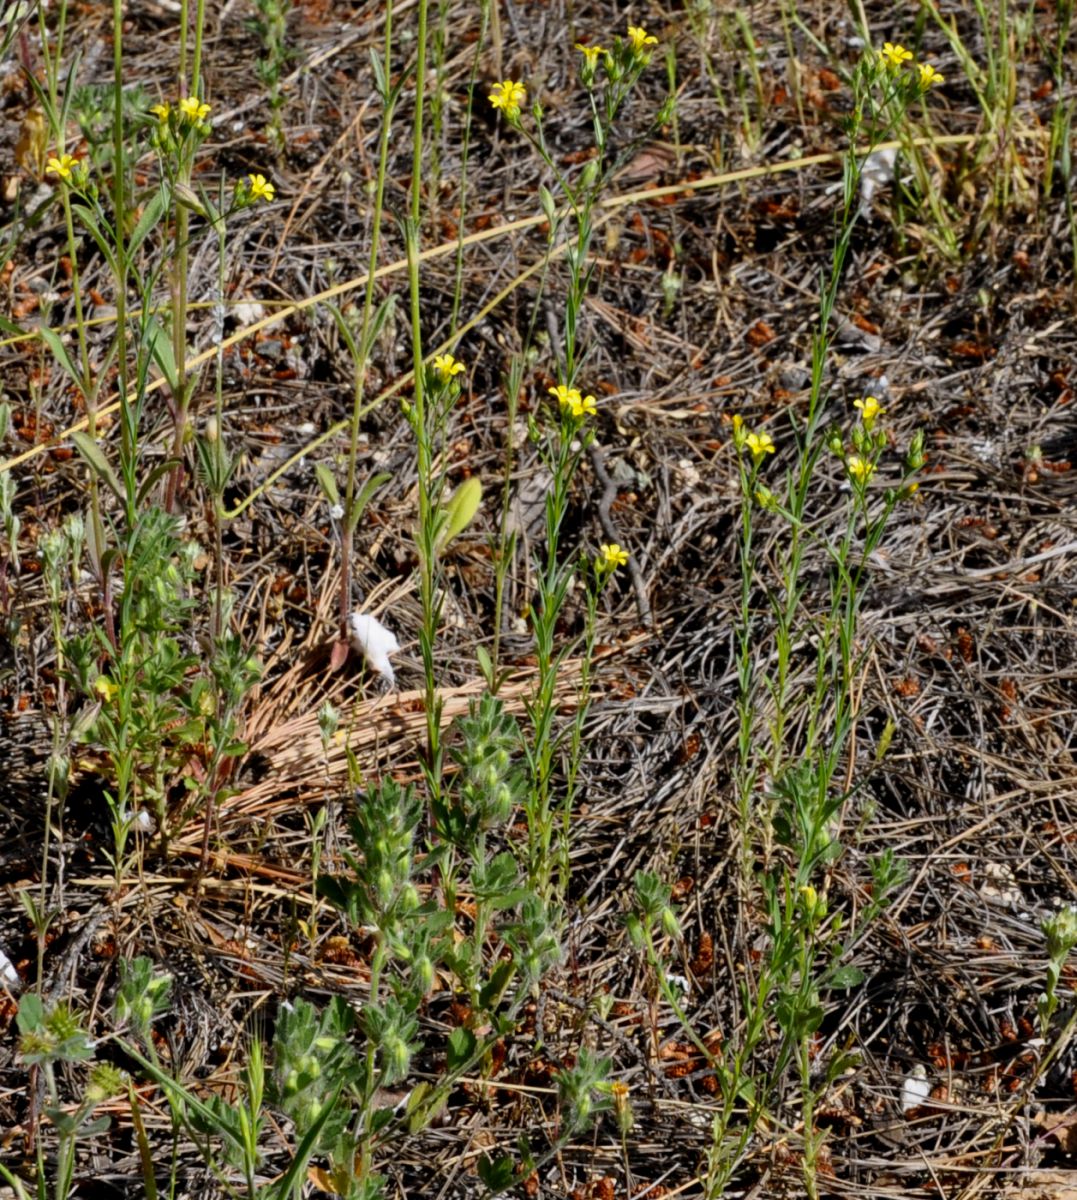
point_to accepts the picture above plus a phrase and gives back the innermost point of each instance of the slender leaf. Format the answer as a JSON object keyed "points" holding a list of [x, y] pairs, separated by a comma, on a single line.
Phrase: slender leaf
{"points": [[151, 215], [328, 482], [363, 499], [91, 452]]}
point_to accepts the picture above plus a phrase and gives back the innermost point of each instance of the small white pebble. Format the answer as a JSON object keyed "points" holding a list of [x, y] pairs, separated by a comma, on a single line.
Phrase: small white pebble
{"points": [[306, 429]]}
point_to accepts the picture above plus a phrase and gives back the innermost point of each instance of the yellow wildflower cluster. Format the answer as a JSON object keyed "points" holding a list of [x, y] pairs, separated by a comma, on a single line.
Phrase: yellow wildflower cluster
{"points": [[193, 109], [758, 444], [639, 39], [573, 402], [869, 408], [63, 166], [259, 188], [446, 367], [860, 468], [508, 95], [894, 56], [610, 557]]}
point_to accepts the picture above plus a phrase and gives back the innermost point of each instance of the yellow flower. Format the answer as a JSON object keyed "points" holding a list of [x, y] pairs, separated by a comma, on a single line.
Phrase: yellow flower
{"points": [[446, 367], [740, 434], [63, 165], [508, 96], [193, 108], [892, 56], [759, 444], [573, 402], [610, 557], [590, 54], [161, 111], [260, 188], [638, 38], [105, 687], [870, 408], [859, 468], [928, 75]]}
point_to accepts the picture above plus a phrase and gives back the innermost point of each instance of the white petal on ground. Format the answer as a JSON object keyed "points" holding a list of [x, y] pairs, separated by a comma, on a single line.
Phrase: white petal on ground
{"points": [[915, 1090], [876, 172], [375, 643], [9, 977]]}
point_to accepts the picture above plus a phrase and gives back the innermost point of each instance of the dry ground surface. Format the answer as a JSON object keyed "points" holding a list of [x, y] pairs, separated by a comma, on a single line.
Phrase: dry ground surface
{"points": [[702, 305]]}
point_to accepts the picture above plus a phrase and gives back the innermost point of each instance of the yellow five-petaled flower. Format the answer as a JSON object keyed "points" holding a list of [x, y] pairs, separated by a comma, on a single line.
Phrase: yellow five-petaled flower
{"points": [[446, 367], [590, 54], [759, 444], [508, 95], [105, 688], [870, 408], [639, 38], [893, 55], [62, 166], [260, 188], [928, 75], [193, 108], [859, 468], [573, 402], [161, 111], [610, 557]]}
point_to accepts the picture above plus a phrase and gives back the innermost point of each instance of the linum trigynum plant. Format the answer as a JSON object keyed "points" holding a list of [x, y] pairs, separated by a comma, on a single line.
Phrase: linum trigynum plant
{"points": [[608, 77], [149, 718], [796, 780]]}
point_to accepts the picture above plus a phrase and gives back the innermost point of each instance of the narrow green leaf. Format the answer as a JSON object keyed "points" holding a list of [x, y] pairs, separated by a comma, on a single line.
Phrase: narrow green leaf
{"points": [[304, 1150], [160, 345], [151, 215], [461, 507], [159, 471], [328, 482], [91, 452], [59, 350], [377, 324], [363, 499], [106, 245]]}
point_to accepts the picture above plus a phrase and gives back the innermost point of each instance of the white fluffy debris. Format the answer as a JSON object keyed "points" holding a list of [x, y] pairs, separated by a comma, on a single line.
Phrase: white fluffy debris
{"points": [[916, 1089], [370, 637], [246, 312], [9, 977], [877, 171]]}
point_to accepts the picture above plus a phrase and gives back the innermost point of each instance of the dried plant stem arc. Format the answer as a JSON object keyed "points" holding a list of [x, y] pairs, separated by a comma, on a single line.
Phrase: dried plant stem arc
{"points": [[607, 206]]}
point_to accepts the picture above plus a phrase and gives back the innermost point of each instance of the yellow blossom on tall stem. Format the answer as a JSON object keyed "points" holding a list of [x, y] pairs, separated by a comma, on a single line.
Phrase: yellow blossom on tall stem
{"points": [[892, 55], [760, 444], [62, 166], [260, 188], [860, 469], [574, 402], [590, 54], [929, 77], [610, 557], [638, 38], [193, 109], [161, 111], [870, 408], [508, 95], [446, 367]]}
